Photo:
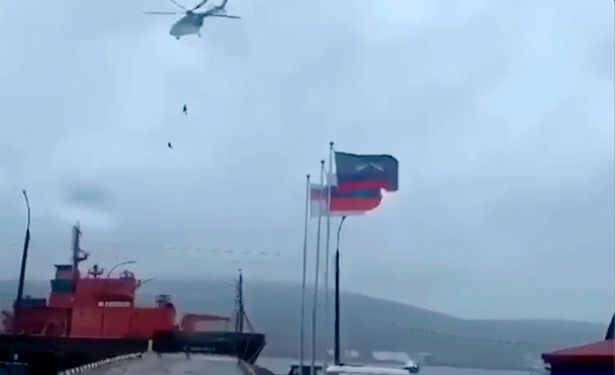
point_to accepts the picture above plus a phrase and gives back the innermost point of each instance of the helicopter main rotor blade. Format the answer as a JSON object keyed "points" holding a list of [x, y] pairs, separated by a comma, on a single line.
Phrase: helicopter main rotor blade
{"points": [[163, 13], [203, 2], [224, 16], [178, 4]]}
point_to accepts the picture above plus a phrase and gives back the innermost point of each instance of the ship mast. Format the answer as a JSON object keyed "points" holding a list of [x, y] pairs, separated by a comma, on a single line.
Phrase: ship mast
{"points": [[78, 255], [75, 253]]}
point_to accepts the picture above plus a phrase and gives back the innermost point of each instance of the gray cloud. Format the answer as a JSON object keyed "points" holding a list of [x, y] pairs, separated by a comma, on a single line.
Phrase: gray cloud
{"points": [[500, 113], [88, 195]]}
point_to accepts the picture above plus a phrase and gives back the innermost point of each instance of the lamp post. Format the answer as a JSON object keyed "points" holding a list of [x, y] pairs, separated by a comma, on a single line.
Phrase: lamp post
{"points": [[24, 255], [145, 281], [120, 264], [337, 294]]}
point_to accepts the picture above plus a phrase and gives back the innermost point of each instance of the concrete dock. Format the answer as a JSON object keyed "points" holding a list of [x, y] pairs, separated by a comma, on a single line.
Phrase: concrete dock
{"points": [[172, 364]]}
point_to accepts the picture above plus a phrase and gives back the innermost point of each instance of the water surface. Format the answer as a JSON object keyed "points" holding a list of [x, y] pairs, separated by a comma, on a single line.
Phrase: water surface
{"points": [[282, 365]]}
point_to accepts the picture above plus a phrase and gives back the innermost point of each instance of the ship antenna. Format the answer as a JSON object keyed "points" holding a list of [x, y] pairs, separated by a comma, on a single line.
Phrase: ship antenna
{"points": [[24, 256]]}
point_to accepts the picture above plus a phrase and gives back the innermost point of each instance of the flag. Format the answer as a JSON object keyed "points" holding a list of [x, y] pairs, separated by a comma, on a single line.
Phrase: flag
{"points": [[342, 203], [366, 172]]}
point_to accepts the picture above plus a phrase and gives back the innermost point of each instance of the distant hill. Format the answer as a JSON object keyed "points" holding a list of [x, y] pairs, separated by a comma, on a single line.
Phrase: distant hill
{"points": [[372, 324]]}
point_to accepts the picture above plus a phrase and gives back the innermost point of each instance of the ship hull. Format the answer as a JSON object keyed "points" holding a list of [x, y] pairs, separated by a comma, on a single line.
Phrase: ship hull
{"points": [[246, 346], [49, 355]]}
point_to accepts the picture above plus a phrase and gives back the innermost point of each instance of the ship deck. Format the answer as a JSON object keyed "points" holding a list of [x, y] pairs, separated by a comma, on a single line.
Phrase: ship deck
{"points": [[171, 364]]}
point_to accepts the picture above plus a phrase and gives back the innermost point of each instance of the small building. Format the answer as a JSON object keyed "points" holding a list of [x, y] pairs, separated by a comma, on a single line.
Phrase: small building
{"points": [[597, 358]]}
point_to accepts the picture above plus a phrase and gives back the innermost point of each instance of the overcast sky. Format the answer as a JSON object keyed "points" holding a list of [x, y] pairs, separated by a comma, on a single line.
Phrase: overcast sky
{"points": [[500, 113]]}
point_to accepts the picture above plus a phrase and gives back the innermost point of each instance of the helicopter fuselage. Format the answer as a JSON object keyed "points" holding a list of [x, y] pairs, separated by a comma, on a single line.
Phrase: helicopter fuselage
{"points": [[190, 24]]}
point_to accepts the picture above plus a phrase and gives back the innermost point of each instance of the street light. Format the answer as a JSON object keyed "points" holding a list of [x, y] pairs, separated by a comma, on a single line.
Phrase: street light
{"points": [[120, 264], [24, 255], [336, 351]]}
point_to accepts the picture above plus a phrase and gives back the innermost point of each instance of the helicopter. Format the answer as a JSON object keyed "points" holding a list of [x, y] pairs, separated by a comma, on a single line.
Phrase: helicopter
{"points": [[192, 21]]}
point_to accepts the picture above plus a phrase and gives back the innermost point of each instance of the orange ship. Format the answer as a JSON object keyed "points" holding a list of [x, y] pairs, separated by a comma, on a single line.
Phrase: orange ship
{"points": [[90, 316]]}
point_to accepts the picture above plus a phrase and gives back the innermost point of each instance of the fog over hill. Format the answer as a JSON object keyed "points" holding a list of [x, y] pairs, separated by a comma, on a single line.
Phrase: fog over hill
{"points": [[371, 324]]}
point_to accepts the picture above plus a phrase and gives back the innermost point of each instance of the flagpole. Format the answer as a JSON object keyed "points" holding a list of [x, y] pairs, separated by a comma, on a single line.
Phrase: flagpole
{"points": [[305, 241], [327, 245], [336, 349], [313, 364]]}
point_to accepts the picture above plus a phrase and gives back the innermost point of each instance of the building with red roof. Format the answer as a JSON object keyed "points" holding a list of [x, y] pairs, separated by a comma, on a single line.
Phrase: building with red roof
{"points": [[597, 358]]}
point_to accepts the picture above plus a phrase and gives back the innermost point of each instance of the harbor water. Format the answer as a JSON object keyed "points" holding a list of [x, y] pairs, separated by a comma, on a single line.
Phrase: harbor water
{"points": [[281, 366]]}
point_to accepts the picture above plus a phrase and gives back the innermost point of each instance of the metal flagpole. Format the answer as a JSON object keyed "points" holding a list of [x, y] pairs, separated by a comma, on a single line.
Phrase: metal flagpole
{"points": [[327, 245], [313, 364], [305, 240]]}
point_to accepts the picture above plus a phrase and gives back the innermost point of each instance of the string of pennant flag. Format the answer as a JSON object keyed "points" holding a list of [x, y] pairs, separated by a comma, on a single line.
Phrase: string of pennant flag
{"points": [[174, 248]]}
